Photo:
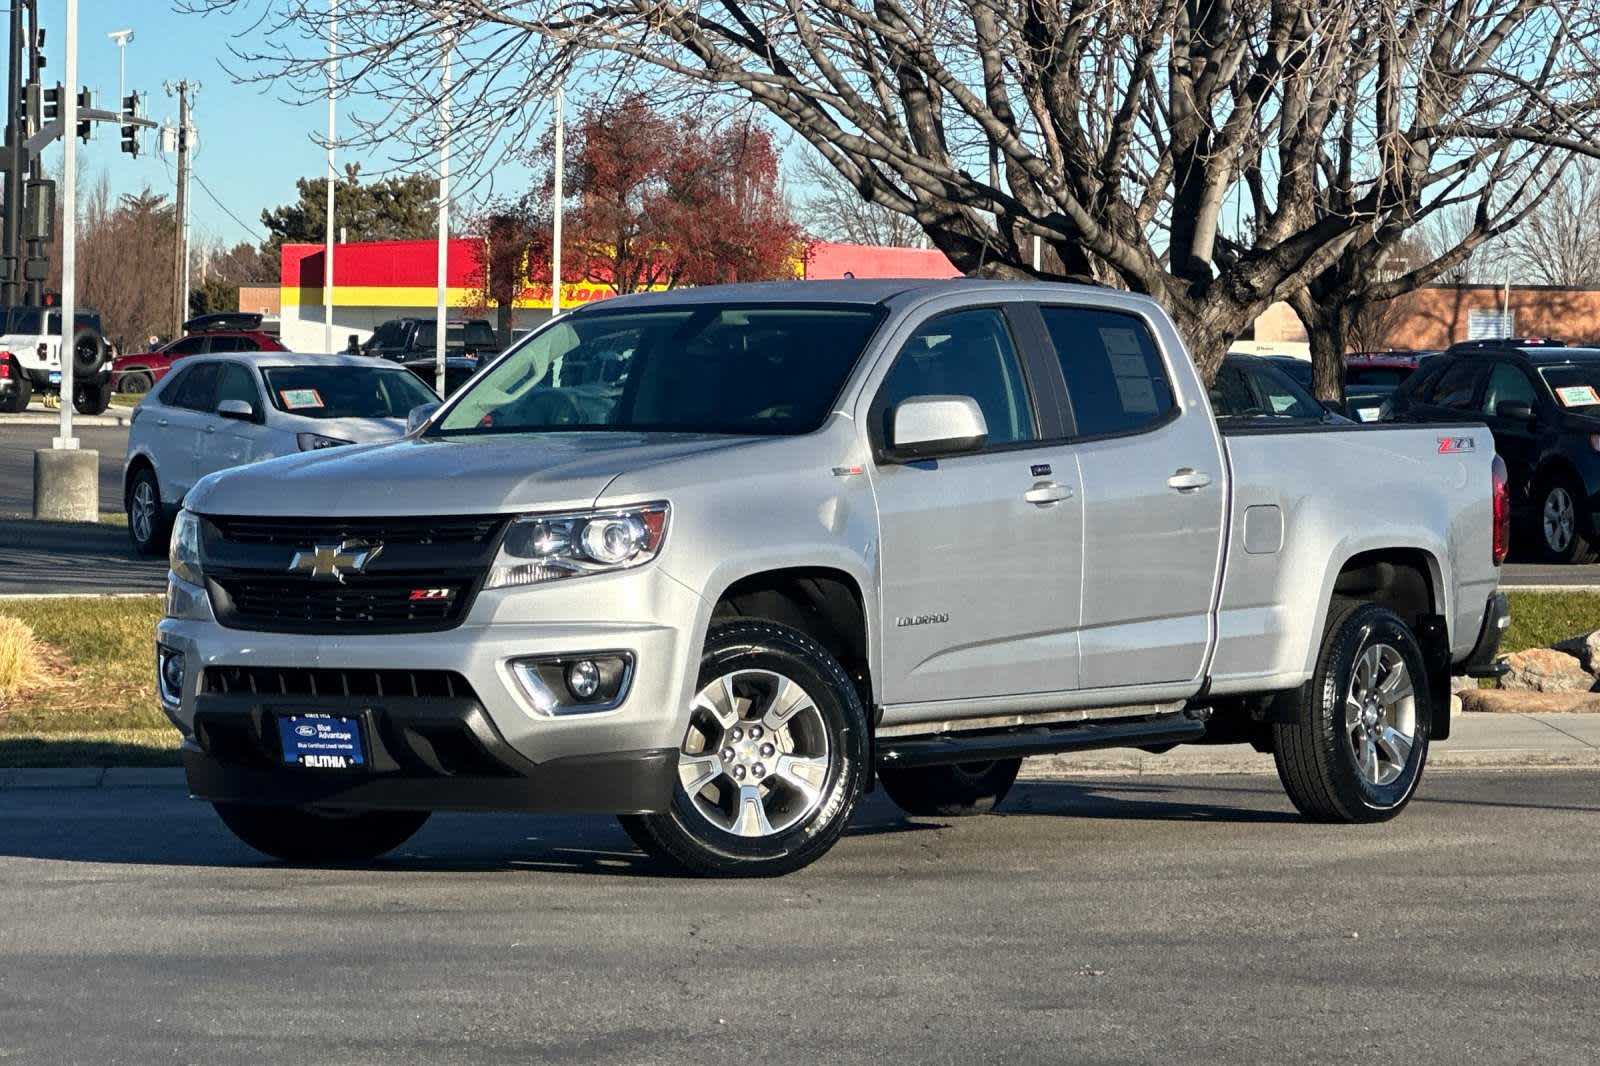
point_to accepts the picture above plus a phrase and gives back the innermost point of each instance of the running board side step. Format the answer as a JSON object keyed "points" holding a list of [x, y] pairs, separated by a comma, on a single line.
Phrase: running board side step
{"points": [[1019, 742]]}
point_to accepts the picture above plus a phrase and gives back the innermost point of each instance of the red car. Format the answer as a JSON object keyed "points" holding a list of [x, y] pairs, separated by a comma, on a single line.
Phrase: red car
{"points": [[138, 371]]}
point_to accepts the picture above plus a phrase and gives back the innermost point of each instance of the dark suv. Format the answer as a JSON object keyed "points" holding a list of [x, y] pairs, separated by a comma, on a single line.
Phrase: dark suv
{"points": [[402, 339], [1541, 399]]}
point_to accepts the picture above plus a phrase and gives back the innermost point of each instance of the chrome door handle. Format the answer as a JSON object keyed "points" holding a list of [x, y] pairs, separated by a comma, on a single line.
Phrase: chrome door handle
{"points": [[1045, 493], [211, 429], [1188, 480], [161, 422]]}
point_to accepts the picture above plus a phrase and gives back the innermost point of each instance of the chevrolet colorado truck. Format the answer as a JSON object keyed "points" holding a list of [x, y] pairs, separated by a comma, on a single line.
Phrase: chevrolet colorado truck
{"points": [[809, 539]]}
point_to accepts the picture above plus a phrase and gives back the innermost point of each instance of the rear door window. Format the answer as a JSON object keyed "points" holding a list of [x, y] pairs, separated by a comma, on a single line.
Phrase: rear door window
{"points": [[196, 390], [1116, 382]]}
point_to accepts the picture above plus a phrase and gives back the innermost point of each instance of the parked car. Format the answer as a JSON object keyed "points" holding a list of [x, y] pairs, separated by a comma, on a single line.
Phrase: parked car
{"points": [[1370, 378], [30, 347], [822, 531], [402, 339], [1250, 387], [458, 370], [217, 412], [1542, 402], [137, 371]]}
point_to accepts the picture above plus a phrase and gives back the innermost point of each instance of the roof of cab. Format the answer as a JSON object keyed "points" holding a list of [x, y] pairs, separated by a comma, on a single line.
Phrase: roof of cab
{"points": [[862, 291]]}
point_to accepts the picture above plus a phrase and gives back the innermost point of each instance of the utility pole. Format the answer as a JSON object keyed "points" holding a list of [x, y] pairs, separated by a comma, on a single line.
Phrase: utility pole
{"points": [[15, 162], [180, 260]]}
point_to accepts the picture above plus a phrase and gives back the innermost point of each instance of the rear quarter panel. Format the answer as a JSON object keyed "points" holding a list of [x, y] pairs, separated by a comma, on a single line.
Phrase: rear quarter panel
{"points": [[1340, 493]]}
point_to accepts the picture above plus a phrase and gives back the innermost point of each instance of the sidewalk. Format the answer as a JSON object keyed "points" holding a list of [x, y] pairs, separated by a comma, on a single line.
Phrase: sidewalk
{"points": [[1480, 742]]}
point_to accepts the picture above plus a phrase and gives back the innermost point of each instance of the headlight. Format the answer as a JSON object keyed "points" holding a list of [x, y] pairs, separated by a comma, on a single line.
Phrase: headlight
{"points": [[310, 442], [184, 554], [540, 548]]}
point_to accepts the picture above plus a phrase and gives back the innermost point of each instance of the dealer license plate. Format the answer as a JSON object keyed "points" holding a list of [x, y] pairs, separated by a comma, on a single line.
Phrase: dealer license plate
{"points": [[322, 741]]}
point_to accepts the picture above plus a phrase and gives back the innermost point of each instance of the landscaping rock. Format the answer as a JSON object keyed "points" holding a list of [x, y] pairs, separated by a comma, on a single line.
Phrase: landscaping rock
{"points": [[1512, 701], [1586, 649], [1546, 670]]}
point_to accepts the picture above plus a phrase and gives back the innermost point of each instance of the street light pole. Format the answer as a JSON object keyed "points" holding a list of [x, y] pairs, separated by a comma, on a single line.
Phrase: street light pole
{"points": [[441, 323], [122, 37], [69, 229], [555, 228], [327, 251]]}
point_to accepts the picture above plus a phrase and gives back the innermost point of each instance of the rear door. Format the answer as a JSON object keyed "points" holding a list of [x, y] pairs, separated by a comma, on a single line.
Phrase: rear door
{"points": [[1153, 501], [979, 583]]}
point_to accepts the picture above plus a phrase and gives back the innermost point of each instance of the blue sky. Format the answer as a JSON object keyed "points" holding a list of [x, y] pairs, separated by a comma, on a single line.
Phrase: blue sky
{"points": [[252, 145]]}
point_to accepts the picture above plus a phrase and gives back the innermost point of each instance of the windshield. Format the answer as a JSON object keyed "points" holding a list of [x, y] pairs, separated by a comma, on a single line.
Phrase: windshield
{"points": [[1575, 385], [345, 391], [688, 369]]}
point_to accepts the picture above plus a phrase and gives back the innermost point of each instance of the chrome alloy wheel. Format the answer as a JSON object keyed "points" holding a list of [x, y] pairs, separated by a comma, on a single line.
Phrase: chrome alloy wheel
{"points": [[1560, 519], [755, 757], [143, 513], [1380, 714]]}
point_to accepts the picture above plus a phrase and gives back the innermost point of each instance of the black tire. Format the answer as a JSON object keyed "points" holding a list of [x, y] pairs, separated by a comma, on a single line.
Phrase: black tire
{"points": [[1316, 756], [134, 382], [88, 353], [687, 840], [1558, 491], [91, 399], [148, 538], [15, 400], [950, 791], [299, 834]]}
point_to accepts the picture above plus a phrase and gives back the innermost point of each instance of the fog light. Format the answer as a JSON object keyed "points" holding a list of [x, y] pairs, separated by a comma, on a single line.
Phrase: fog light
{"points": [[574, 684], [169, 671], [583, 679]]}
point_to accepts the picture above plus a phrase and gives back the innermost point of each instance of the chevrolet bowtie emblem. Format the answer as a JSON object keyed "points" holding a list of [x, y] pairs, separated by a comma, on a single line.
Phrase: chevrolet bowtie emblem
{"points": [[334, 561]]}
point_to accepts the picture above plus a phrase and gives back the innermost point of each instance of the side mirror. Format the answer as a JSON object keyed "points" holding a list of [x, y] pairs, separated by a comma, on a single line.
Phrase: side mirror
{"points": [[418, 416], [1514, 410], [925, 427], [238, 410]]}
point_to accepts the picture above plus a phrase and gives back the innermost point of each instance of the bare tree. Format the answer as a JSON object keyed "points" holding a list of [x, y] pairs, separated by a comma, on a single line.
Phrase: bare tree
{"points": [[833, 210], [1559, 243], [1115, 130]]}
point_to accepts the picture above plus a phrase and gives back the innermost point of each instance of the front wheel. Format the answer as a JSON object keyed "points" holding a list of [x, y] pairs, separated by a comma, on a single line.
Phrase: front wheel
{"points": [[14, 400], [1563, 522], [772, 762], [304, 834], [91, 399], [148, 527], [1360, 741], [951, 791]]}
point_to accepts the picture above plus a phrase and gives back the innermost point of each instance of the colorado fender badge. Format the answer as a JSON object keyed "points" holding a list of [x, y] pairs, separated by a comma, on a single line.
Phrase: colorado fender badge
{"points": [[1452, 445]]}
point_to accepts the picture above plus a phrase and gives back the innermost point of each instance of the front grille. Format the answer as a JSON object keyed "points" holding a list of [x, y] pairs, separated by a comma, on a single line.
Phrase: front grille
{"points": [[279, 603], [306, 532], [351, 683]]}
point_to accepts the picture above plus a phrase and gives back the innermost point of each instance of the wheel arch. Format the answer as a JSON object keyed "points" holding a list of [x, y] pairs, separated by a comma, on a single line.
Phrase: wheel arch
{"points": [[140, 461]]}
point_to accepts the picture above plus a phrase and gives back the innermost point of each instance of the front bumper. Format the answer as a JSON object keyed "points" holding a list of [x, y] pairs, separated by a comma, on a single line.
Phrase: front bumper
{"points": [[1484, 658], [485, 745]]}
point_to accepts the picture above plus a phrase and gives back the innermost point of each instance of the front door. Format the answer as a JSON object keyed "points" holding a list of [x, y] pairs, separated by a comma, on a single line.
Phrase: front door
{"points": [[229, 442], [1154, 492], [980, 553]]}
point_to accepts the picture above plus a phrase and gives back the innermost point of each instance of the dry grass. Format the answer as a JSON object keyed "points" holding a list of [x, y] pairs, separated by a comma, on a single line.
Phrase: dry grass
{"points": [[21, 668]]}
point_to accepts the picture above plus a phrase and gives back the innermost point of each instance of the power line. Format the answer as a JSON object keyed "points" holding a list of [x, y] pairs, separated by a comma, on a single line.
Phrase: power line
{"points": [[241, 223]]}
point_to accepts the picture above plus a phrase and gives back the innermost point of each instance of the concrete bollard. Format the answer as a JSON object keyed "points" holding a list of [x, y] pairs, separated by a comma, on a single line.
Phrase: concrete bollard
{"points": [[66, 485]]}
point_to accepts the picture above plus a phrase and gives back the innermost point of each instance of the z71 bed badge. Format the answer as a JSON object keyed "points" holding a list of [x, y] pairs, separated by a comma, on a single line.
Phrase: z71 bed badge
{"points": [[1451, 445]]}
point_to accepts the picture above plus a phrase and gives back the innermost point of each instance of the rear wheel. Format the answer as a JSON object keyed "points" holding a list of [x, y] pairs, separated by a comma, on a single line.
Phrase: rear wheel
{"points": [[15, 400], [1563, 522], [304, 834], [1357, 750], [951, 791], [772, 762]]}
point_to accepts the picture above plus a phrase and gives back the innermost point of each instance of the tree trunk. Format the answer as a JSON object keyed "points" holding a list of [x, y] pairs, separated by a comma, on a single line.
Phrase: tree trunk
{"points": [[504, 319], [1328, 330]]}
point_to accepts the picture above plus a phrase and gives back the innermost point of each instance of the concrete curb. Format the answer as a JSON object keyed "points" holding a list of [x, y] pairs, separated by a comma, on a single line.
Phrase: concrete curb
{"points": [[105, 421]]}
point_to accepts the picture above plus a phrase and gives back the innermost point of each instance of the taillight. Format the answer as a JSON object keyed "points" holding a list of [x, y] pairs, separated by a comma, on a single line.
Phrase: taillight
{"points": [[5, 369], [1502, 511]]}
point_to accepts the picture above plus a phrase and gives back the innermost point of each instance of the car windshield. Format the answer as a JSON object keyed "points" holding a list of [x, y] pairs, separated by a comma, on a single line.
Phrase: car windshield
{"points": [[691, 369], [1574, 385], [1382, 376], [341, 391]]}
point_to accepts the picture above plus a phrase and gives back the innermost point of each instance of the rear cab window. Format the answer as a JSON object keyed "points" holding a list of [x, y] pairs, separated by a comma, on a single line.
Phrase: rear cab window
{"points": [[1116, 382]]}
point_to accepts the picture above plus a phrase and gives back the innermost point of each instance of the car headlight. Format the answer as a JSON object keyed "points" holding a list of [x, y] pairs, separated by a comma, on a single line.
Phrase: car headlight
{"points": [[184, 553], [311, 442], [547, 547]]}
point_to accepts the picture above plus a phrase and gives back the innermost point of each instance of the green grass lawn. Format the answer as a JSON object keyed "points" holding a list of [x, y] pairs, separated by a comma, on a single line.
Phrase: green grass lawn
{"points": [[97, 704]]}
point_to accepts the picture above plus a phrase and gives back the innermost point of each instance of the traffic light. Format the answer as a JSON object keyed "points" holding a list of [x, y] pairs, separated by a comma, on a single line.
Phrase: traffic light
{"points": [[130, 132], [52, 102], [32, 105], [85, 103]]}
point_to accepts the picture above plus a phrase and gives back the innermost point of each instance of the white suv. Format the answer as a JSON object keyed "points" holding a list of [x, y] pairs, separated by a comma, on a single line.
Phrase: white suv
{"points": [[210, 414], [30, 354]]}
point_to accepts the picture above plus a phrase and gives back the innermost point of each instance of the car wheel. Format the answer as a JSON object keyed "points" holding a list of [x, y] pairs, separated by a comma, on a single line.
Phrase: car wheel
{"points": [[950, 791], [1360, 741], [15, 401], [134, 382], [91, 399], [772, 762], [304, 834], [147, 523], [1563, 522]]}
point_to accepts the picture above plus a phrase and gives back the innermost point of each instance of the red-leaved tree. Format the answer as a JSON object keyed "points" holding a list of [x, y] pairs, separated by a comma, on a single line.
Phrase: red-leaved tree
{"points": [[656, 200]]}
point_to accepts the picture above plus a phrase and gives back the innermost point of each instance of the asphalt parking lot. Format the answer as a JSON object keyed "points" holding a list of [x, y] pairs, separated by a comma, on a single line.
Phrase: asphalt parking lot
{"points": [[57, 559], [1173, 920]]}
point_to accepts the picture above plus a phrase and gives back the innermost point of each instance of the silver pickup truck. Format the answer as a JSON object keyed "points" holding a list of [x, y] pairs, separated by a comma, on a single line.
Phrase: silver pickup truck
{"points": [[720, 561]]}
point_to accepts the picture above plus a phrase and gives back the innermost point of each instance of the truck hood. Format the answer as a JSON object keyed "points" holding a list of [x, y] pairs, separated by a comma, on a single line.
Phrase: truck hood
{"points": [[459, 476]]}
